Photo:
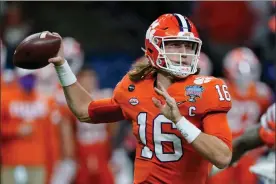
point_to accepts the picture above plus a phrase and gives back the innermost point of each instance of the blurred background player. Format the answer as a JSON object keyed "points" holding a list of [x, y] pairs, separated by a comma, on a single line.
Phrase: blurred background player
{"points": [[26, 118], [7, 75], [250, 98], [90, 144], [257, 136], [86, 148], [262, 134]]}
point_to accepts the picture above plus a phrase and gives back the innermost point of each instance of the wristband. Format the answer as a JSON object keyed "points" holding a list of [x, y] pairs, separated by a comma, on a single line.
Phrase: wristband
{"points": [[65, 74], [187, 129]]}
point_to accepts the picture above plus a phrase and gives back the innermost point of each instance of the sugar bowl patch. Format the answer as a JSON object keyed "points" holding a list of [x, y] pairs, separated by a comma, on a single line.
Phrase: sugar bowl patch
{"points": [[193, 92]]}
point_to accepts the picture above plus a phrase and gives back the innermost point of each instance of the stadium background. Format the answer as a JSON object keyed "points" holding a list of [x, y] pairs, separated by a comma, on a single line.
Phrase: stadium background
{"points": [[112, 33]]}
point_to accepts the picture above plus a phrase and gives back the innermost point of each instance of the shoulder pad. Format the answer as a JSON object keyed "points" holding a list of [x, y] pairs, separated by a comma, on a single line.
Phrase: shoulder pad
{"points": [[213, 95], [120, 87]]}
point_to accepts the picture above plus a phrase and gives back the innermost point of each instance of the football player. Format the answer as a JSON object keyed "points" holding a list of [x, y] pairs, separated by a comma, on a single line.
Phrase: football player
{"points": [[27, 117], [258, 135], [255, 137], [178, 117], [86, 148], [250, 99], [64, 167]]}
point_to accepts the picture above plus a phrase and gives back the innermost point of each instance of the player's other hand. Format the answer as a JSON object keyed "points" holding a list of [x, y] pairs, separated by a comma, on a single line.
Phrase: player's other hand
{"points": [[59, 58], [169, 109]]}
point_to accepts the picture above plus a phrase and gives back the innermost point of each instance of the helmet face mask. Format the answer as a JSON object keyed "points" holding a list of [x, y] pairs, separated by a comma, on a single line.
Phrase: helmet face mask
{"points": [[173, 49]]}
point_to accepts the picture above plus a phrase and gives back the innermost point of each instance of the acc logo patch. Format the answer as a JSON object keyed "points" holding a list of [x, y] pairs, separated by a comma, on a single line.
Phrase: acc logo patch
{"points": [[194, 92], [133, 101]]}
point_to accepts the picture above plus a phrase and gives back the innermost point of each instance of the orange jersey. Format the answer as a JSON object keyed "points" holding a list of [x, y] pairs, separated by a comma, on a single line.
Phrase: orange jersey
{"points": [[18, 108], [93, 148], [85, 133], [162, 153], [267, 130], [247, 109]]}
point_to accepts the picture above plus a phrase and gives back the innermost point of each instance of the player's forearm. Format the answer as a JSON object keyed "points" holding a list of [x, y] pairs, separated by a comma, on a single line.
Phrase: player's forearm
{"points": [[249, 140], [210, 147], [213, 149], [78, 100], [77, 97]]}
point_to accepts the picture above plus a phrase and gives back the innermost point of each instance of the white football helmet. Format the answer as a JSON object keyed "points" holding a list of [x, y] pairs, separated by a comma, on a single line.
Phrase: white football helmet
{"points": [[73, 54], [242, 65]]}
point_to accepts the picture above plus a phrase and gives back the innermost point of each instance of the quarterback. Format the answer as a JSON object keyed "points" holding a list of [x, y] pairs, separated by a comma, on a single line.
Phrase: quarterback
{"points": [[178, 117]]}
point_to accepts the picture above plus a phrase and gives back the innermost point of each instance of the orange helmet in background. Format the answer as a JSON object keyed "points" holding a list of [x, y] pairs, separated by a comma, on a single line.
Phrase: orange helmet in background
{"points": [[242, 65], [172, 27]]}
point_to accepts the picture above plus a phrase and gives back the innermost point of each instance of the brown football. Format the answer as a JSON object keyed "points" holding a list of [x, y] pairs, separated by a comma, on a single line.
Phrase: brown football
{"points": [[35, 50]]}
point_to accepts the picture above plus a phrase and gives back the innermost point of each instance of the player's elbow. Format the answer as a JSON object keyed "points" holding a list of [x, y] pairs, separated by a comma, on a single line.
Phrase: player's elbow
{"points": [[83, 116], [81, 113], [223, 160], [84, 119]]}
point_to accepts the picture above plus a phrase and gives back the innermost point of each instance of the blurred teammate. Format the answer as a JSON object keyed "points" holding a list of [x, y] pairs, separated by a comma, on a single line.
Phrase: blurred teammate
{"points": [[94, 141], [250, 99], [26, 117], [90, 145], [63, 166], [178, 118], [255, 137], [86, 148], [7, 75]]}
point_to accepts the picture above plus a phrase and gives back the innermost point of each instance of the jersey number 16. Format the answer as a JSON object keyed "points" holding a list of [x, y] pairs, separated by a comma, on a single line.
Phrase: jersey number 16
{"points": [[159, 137]]}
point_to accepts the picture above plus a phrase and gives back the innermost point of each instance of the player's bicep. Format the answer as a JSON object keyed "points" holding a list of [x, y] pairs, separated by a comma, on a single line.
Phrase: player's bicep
{"points": [[216, 124], [105, 111]]}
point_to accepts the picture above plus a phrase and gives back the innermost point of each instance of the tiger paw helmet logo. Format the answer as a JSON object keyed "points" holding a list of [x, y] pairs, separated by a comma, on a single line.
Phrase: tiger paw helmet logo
{"points": [[194, 92]]}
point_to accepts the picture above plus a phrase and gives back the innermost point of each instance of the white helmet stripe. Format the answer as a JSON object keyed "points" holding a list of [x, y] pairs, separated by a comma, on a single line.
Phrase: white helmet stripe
{"points": [[183, 21]]}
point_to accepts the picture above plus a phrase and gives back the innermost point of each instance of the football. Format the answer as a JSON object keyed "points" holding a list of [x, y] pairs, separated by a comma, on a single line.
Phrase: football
{"points": [[35, 50]]}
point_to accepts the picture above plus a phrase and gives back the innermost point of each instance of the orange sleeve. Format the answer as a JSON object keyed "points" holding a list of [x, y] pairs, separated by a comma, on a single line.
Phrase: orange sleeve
{"points": [[215, 96], [216, 124], [268, 137], [105, 111]]}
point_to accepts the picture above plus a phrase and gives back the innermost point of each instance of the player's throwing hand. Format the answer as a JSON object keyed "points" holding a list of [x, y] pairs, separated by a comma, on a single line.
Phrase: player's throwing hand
{"points": [[169, 109], [59, 59]]}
